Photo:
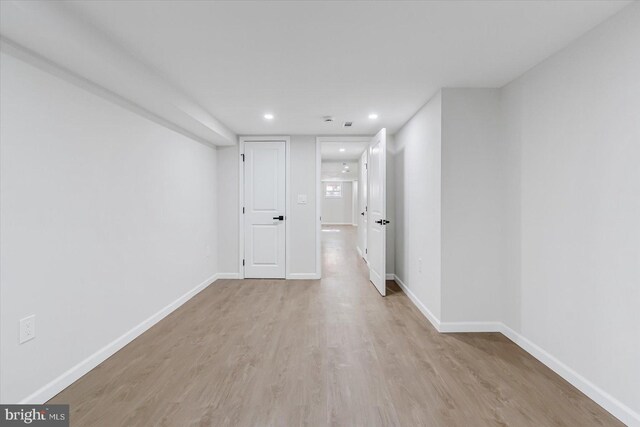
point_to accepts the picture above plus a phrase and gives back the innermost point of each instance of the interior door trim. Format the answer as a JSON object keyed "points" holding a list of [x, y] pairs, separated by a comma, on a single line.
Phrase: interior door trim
{"points": [[241, 142], [319, 141]]}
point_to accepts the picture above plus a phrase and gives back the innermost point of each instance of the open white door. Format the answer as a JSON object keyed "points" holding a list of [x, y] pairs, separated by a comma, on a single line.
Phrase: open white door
{"points": [[362, 206], [377, 210], [264, 209]]}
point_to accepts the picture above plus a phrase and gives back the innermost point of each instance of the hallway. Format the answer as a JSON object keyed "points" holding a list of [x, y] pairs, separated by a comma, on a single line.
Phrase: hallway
{"points": [[328, 352]]}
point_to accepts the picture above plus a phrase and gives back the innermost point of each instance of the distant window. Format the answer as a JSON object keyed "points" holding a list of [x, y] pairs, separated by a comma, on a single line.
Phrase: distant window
{"points": [[333, 190]]}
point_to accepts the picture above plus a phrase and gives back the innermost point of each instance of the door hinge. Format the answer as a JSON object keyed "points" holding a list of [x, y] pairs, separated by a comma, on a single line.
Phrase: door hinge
{"points": [[366, 251], [243, 209], [243, 263], [366, 166], [242, 156]]}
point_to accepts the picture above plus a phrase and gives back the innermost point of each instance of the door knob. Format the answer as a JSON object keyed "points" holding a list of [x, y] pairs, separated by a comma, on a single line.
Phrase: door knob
{"points": [[362, 213], [279, 218]]}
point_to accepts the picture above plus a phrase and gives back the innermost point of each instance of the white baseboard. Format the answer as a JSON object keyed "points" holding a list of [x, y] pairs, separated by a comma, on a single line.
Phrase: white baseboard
{"points": [[601, 397], [303, 276], [337, 223], [423, 308], [595, 393], [228, 276], [70, 376], [391, 276], [454, 327]]}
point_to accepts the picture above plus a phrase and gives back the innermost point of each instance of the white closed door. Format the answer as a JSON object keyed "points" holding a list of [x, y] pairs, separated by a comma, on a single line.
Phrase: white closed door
{"points": [[264, 209], [377, 211]]}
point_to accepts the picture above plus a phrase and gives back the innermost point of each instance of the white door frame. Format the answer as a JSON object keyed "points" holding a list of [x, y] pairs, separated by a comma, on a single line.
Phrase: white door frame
{"points": [[319, 141], [318, 208], [242, 140]]}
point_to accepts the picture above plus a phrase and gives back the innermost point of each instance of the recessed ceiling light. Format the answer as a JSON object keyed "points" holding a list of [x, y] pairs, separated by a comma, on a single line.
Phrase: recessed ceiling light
{"points": [[342, 150], [344, 171], [268, 116], [373, 116]]}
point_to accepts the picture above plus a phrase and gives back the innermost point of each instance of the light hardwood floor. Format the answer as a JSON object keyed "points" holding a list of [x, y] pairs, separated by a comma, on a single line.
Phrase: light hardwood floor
{"points": [[329, 352]]}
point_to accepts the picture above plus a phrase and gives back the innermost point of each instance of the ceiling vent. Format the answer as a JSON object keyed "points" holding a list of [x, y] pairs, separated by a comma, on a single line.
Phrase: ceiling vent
{"points": [[347, 124], [327, 119]]}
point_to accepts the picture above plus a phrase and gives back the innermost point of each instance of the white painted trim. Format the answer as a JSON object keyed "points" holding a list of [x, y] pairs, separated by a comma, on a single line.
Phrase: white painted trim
{"points": [[287, 208], [73, 374], [338, 223], [303, 276], [456, 327], [319, 198], [318, 209], [228, 275], [240, 207], [241, 141], [595, 393], [446, 327], [359, 252], [361, 138], [423, 308]]}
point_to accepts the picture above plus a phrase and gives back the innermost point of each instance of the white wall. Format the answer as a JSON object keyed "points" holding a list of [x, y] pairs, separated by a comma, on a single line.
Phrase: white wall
{"points": [[228, 194], [473, 206], [354, 202], [302, 262], [391, 202], [453, 220], [303, 216], [575, 120], [106, 218], [417, 200], [337, 210], [540, 211]]}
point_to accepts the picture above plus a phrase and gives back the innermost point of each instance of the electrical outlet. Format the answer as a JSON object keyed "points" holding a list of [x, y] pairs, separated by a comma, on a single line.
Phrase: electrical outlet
{"points": [[27, 328], [419, 265]]}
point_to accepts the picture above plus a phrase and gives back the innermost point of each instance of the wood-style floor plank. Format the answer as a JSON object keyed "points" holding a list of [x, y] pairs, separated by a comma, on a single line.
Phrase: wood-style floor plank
{"points": [[315, 353]]}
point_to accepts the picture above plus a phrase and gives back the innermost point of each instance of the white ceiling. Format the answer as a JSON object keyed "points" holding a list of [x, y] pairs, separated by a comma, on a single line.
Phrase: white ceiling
{"points": [[228, 63], [352, 150], [333, 171]]}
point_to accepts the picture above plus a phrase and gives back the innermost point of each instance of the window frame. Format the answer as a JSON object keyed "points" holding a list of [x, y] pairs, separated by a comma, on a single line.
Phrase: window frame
{"points": [[335, 194]]}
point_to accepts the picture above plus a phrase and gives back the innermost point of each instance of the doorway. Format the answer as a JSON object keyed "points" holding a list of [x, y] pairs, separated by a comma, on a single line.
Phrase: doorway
{"points": [[264, 197], [349, 189]]}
